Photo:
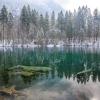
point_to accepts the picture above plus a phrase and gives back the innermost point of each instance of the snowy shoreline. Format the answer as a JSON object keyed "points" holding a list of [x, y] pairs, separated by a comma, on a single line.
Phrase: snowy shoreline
{"points": [[51, 45]]}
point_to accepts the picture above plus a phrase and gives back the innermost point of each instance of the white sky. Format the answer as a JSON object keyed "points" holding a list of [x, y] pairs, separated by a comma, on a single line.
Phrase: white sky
{"points": [[65, 4], [72, 4]]}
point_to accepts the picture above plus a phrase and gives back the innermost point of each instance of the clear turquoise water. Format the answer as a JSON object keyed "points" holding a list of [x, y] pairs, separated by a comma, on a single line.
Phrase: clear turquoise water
{"points": [[60, 83]]}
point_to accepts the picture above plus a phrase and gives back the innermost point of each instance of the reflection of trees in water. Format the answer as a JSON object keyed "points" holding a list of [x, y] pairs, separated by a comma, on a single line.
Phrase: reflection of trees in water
{"points": [[27, 80], [36, 76], [64, 63], [5, 77], [73, 62], [83, 78]]}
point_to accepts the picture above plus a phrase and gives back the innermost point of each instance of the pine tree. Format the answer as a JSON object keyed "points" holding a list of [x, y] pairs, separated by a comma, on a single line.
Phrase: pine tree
{"points": [[35, 17], [35, 23], [46, 22], [24, 18], [69, 26], [3, 19], [25, 22], [10, 26], [80, 22], [60, 21], [89, 24], [96, 21], [41, 21], [66, 23], [53, 20], [29, 13], [41, 25]]}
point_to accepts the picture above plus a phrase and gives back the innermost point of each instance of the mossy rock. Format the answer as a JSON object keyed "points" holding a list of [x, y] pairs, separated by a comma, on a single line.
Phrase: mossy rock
{"points": [[28, 70], [23, 73]]}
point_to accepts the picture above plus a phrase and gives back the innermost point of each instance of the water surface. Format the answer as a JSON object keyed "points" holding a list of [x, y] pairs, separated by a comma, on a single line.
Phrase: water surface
{"points": [[58, 84]]}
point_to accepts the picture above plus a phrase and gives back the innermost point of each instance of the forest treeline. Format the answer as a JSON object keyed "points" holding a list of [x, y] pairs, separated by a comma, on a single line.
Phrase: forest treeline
{"points": [[47, 28]]}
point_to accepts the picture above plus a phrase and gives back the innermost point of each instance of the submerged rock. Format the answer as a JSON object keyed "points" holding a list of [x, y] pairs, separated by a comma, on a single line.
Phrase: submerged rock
{"points": [[28, 70]]}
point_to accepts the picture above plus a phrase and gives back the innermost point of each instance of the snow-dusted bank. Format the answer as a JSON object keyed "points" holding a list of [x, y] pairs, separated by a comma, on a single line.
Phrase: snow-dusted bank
{"points": [[96, 44]]}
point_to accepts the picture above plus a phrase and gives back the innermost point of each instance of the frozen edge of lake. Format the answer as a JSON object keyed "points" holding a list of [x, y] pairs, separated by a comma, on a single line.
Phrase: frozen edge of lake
{"points": [[49, 45], [60, 44]]}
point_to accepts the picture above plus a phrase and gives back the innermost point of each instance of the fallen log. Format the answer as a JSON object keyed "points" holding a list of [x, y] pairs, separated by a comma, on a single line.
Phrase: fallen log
{"points": [[11, 91], [84, 72]]}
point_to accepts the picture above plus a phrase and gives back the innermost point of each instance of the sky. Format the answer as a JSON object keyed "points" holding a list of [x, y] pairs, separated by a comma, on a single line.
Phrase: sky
{"points": [[65, 4], [73, 4]]}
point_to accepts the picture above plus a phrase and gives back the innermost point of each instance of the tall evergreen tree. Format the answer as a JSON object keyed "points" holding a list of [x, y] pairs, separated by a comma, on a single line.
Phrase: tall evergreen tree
{"points": [[60, 21], [35, 23], [89, 24], [29, 13], [66, 23], [46, 22], [96, 23], [53, 21], [25, 21], [69, 26], [3, 19], [42, 25], [34, 17], [10, 26]]}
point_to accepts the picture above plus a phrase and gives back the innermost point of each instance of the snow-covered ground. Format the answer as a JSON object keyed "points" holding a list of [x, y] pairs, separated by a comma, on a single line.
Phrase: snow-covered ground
{"points": [[51, 45]]}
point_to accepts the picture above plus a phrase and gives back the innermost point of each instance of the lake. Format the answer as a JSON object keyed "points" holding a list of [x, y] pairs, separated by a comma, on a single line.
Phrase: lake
{"points": [[75, 73]]}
